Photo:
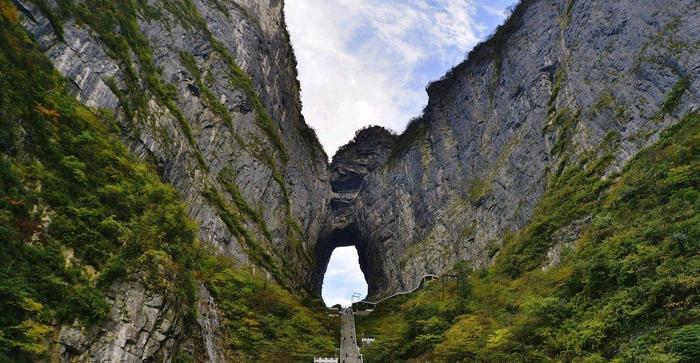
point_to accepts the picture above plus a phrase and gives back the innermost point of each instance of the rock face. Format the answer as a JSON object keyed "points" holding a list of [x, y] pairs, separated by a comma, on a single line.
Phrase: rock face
{"points": [[232, 139], [207, 92], [144, 327], [558, 83], [369, 149]]}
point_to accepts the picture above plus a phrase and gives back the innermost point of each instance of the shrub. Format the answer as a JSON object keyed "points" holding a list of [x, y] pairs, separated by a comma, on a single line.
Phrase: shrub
{"points": [[685, 343]]}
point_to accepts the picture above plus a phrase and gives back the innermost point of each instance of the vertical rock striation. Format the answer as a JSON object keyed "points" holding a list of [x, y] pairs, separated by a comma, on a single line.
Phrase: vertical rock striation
{"points": [[558, 84], [368, 150], [207, 92], [228, 131], [144, 326]]}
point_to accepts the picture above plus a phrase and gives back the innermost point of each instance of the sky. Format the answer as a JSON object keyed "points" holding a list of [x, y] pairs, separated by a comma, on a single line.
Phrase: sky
{"points": [[343, 277], [367, 62]]}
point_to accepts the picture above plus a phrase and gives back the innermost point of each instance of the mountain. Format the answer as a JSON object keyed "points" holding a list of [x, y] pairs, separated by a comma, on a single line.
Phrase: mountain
{"points": [[163, 198], [207, 92], [204, 96], [562, 84]]}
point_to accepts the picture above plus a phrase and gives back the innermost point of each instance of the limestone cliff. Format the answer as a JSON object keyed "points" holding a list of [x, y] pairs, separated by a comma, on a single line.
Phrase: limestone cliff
{"points": [[557, 84], [351, 164], [206, 91]]}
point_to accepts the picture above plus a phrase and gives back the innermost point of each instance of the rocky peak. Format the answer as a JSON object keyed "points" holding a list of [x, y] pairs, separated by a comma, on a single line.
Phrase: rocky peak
{"points": [[368, 149], [353, 161], [559, 83]]}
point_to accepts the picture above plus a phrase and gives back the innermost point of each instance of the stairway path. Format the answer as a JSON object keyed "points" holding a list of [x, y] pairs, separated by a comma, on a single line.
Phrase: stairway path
{"points": [[349, 351]]}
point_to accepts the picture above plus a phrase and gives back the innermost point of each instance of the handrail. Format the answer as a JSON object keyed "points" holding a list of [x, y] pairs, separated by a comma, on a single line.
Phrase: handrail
{"points": [[422, 279]]}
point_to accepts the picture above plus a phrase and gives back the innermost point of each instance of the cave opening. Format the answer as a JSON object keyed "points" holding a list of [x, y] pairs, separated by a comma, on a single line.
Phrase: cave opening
{"points": [[343, 282], [343, 250]]}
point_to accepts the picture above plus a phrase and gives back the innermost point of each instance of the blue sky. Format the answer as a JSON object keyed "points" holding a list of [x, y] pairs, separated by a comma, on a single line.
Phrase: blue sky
{"points": [[367, 62]]}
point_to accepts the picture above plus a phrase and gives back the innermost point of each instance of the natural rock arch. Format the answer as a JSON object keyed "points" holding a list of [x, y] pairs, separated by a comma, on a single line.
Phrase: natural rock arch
{"points": [[369, 149]]}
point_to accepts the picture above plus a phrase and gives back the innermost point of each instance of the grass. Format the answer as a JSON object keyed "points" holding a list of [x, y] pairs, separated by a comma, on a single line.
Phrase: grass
{"points": [[478, 189], [225, 178], [490, 50], [218, 108], [77, 211], [673, 98], [234, 222], [565, 122], [566, 20], [627, 292], [240, 80], [262, 321], [144, 81], [415, 130]]}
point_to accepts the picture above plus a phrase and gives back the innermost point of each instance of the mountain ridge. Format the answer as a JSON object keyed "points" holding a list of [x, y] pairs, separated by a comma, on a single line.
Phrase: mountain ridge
{"points": [[515, 144], [502, 124]]}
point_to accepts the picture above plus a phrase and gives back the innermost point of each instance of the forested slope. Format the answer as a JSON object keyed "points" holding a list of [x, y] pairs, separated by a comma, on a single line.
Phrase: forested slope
{"points": [[624, 286], [93, 242]]}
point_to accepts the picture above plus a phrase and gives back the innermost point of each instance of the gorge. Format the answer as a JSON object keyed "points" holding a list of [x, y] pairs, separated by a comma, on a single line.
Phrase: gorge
{"points": [[171, 133]]}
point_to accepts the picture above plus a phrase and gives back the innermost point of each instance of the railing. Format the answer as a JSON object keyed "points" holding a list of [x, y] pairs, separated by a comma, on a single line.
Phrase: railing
{"points": [[422, 280]]}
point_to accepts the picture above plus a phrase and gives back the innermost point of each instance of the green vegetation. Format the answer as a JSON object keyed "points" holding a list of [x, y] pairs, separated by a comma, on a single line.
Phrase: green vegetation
{"points": [[416, 129], [628, 292], [674, 97], [566, 20], [127, 46], [116, 24], [105, 16], [564, 122], [216, 106], [79, 213], [76, 211], [240, 80], [310, 138], [225, 178], [234, 220], [263, 322], [490, 50], [551, 104], [478, 190]]}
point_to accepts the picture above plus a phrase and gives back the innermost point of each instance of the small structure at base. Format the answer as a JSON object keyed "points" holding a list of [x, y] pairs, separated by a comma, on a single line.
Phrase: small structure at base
{"points": [[325, 360]]}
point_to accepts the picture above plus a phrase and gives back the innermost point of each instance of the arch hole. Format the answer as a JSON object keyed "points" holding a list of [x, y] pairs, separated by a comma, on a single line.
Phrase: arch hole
{"points": [[343, 278]]}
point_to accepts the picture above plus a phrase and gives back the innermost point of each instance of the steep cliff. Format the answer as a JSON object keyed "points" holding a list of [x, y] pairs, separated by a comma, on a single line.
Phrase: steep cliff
{"points": [[351, 164], [560, 84], [515, 146], [207, 91], [619, 285]]}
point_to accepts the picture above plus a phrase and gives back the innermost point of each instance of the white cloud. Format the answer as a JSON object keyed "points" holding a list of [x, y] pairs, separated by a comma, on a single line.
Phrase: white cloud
{"points": [[367, 62], [343, 277], [498, 11]]}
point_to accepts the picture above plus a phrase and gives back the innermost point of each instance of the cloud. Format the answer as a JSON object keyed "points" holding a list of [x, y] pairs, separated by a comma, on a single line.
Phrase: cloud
{"points": [[497, 11], [343, 277], [367, 62]]}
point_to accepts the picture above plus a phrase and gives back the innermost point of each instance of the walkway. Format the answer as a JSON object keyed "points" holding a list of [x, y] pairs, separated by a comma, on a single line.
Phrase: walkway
{"points": [[349, 352], [426, 277]]}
